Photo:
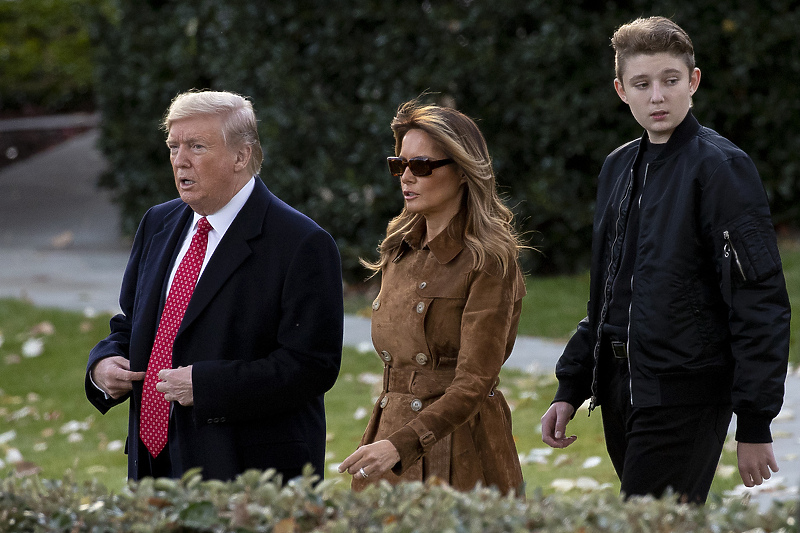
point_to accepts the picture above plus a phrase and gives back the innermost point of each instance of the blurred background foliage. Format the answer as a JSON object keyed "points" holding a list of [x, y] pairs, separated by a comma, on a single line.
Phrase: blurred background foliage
{"points": [[327, 76], [45, 57]]}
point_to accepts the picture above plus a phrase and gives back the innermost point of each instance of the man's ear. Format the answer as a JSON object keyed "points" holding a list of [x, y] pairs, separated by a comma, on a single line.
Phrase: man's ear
{"points": [[242, 157], [620, 90], [694, 81]]}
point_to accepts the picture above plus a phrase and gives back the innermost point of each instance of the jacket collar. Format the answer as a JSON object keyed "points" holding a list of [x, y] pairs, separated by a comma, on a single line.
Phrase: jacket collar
{"points": [[687, 129], [445, 246]]}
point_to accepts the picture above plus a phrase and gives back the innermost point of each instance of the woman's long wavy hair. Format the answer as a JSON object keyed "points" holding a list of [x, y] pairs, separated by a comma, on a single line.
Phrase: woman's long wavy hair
{"points": [[488, 232]]}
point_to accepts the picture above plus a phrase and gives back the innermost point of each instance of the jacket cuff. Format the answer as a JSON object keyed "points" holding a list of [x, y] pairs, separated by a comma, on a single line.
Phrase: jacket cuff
{"points": [[410, 445], [752, 429], [568, 392]]}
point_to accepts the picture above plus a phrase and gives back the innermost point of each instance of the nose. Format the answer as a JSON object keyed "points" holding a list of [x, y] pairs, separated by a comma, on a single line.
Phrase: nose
{"points": [[657, 95], [407, 176], [179, 157]]}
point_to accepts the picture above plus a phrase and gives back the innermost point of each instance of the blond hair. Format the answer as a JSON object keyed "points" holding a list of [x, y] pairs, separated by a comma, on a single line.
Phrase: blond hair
{"points": [[650, 36], [239, 126], [488, 231]]}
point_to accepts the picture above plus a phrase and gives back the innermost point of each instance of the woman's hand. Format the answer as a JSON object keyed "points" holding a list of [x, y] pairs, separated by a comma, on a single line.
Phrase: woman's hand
{"points": [[371, 460]]}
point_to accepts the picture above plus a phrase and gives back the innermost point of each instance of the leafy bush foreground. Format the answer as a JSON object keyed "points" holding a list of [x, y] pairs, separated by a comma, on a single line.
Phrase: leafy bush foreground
{"points": [[257, 501]]}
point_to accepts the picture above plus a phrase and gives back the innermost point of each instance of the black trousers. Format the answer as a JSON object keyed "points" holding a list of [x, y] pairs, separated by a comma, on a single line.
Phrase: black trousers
{"points": [[655, 448]]}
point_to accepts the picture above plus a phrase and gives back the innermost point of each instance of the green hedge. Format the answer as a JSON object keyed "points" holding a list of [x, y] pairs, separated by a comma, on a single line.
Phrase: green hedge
{"points": [[45, 56], [257, 502], [326, 78]]}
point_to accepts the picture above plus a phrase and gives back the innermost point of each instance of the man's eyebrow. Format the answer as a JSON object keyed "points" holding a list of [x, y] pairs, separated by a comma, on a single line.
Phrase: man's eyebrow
{"points": [[665, 72], [188, 140]]}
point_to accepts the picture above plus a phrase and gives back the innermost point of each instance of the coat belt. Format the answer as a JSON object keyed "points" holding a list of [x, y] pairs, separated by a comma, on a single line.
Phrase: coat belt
{"points": [[432, 381]]}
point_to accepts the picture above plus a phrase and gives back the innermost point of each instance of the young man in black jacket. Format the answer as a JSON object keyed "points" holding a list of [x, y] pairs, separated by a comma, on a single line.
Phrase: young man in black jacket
{"points": [[688, 316]]}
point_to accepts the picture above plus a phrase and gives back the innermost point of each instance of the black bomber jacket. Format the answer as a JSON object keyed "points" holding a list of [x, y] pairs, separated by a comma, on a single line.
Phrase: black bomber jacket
{"points": [[709, 314]]}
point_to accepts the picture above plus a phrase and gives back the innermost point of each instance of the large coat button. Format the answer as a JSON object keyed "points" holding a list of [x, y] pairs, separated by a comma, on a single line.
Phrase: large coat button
{"points": [[416, 404], [420, 307], [422, 358], [376, 304], [384, 402], [423, 285], [386, 356]]}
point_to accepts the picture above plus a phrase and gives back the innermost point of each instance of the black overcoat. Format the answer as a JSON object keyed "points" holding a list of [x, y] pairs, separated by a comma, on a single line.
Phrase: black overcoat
{"points": [[263, 333]]}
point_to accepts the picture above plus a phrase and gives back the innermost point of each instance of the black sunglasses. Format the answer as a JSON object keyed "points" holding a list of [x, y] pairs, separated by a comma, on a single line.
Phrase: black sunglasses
{"points": [[420, 166]]}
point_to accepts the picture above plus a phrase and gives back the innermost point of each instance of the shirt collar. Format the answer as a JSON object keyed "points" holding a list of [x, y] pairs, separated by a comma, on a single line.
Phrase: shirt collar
{"points": [[222, 219], [445, 246]]}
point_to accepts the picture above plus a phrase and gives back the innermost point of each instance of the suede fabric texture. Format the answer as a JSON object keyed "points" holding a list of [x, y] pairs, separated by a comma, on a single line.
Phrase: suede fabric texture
{"points": [[443, 330]]}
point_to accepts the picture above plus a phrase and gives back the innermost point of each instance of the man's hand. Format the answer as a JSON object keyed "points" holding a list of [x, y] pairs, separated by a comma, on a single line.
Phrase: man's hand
{"points": [[554, 425], [113, 375], [176, 384], [755, 462], [373, 459]]}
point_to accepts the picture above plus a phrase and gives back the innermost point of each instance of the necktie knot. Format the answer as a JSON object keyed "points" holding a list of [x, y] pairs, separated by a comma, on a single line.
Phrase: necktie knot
{"points": [[204, 226]]}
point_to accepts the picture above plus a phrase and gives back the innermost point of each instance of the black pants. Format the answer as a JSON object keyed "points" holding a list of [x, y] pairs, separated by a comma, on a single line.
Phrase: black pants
{"points": [[653, 448]]}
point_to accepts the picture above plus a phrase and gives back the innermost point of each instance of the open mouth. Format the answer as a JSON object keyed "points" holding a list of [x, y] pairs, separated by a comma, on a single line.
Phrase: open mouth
{"points": [[408, 195]]}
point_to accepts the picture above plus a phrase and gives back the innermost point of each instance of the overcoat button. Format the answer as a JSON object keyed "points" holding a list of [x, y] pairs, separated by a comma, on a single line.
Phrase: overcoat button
{"points": [[210, 420], [416, 404], [422, 358], [423, 285], [386, 356], [384, 401], [420, 307], [376, 304]]}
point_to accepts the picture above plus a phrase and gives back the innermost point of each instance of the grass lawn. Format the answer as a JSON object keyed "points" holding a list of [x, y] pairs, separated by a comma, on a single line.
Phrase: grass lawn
{"points": [[46, 419]]}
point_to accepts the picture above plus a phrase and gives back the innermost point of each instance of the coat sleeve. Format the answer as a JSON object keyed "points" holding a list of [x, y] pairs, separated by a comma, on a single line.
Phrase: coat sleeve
{"points": [[493, 305], [306, 362], [118, 340], [735, 216], [575, 366]]}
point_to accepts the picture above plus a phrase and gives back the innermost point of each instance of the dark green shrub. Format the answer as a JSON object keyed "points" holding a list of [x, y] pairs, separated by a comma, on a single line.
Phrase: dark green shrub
{"points": [[257, 502], [45, 56], [326, 78]]}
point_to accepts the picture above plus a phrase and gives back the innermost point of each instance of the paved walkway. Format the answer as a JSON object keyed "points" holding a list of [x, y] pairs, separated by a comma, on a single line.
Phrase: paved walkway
{"points": [[61, 246]]}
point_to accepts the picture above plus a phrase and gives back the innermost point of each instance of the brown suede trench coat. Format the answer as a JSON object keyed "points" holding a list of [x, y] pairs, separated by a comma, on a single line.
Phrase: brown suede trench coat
{"points": [[443, 330]]}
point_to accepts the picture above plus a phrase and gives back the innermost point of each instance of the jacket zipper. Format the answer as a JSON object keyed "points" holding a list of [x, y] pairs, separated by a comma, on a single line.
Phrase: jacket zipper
{"points": [[728, 248], [593, 400], [628, 342]]}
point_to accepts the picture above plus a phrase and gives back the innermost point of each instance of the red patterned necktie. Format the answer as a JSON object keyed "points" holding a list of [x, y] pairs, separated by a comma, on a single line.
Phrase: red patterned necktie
{"points": [[155, 409]]}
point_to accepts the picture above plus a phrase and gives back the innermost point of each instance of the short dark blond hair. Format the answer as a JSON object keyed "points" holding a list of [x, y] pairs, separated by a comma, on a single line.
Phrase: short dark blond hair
{"points": [[650, 36], [239, 124]]}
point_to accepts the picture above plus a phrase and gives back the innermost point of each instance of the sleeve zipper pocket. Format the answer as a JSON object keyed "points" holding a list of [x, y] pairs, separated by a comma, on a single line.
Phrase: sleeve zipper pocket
{"points": [[728, 248]]}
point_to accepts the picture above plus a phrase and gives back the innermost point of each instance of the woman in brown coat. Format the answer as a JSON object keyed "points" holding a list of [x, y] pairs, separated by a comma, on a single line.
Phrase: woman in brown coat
{"points": [[446, 317]]}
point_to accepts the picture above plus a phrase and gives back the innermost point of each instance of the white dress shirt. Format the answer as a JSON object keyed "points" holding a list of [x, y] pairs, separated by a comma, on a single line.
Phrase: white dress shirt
{"points": [[220, 221]]}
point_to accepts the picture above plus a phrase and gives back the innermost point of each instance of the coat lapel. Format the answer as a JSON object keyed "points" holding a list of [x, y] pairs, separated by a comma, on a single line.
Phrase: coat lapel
{"points": [[231, 252], [162, 249]]}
